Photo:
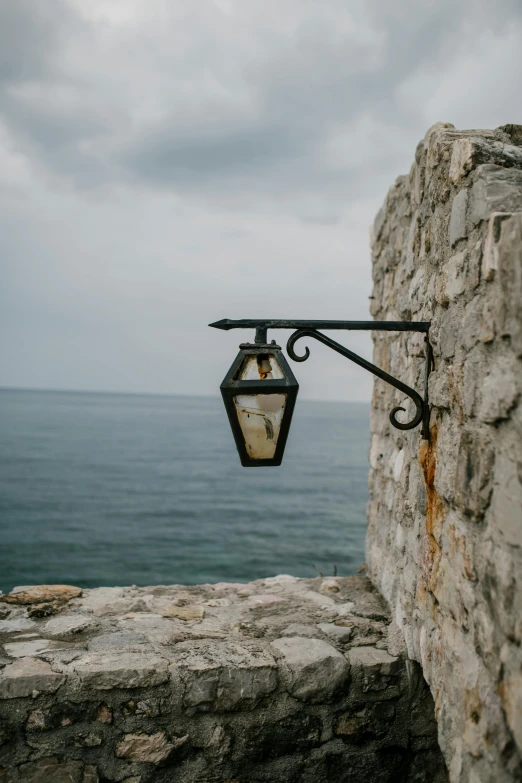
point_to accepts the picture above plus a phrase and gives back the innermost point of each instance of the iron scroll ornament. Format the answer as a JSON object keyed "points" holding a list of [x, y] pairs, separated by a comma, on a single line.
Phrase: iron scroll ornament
{"points": [[322, 338], [310, 329]]}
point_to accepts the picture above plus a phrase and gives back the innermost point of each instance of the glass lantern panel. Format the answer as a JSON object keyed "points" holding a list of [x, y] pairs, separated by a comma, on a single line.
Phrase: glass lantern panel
{"points": [[262, 366], [260, 417]]}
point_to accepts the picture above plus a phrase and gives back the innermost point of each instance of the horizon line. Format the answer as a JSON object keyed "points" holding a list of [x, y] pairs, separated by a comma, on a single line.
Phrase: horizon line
{"points": [[151, 394]]}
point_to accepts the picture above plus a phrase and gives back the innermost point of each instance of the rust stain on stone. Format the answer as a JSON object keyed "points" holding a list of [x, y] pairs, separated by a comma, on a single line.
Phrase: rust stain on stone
{"points": [[435, 511]]}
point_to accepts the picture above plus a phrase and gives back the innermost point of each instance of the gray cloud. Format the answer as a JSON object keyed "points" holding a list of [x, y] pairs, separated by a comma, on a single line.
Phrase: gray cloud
{"points": [[156, 156], [228, 114]]}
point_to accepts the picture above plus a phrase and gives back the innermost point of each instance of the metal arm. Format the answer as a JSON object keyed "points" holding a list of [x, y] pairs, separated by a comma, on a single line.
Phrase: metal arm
{"points": [[309, 329]]}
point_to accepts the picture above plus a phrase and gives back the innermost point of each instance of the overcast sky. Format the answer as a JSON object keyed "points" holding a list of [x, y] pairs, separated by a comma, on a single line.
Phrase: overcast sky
{"points": [[167, 163]]}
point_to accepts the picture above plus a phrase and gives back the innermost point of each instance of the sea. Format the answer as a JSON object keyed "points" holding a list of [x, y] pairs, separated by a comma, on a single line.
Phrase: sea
{"points": [[125, 489]]}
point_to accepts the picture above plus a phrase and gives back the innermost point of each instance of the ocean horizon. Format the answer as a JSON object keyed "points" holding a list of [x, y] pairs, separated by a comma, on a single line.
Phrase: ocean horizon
{"points": [[111, 488]]}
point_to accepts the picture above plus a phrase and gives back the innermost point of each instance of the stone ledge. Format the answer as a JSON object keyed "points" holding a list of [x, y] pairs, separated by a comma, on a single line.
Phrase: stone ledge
{"points": [[282, 678]]}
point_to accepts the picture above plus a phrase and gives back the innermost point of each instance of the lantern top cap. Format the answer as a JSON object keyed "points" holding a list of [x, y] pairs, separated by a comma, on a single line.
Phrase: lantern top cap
{"points": [[260, 347]]}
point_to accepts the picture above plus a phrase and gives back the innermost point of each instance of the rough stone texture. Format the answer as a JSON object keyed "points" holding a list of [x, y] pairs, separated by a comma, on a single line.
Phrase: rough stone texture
{"points": [[42, 593], [284, 679], [445, 517]]}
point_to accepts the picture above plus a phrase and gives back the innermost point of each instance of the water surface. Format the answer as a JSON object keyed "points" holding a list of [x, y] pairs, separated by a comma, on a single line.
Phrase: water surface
{"points": [[110, 489]]}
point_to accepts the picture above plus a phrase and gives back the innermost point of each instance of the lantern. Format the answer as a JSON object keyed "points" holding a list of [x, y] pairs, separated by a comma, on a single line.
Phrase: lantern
{"points": [[259, 392]]}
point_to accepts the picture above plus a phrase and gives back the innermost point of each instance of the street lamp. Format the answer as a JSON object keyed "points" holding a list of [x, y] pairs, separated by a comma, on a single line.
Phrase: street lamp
{"points": [[260, 390]]}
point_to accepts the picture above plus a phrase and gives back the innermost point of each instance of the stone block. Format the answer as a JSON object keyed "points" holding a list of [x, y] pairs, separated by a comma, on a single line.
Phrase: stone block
{"points": [[148, 748], [16, 625], [470, 380], [24, 649], [499, 391], [448, 338], [455, 270], [506, 503], [107, 670], [495, 189], [26, 676], [224, 677], [184, 612], [491, 246], [468, 153], [312, 669], [474, 478], [297, 629], [42, 594], [510, 279], [52, 770], [373, 660], [461, 160], [90, 774], [439, 389], [511, 689], [457, 226], [65, 626], [337, 633], [117, 640]]}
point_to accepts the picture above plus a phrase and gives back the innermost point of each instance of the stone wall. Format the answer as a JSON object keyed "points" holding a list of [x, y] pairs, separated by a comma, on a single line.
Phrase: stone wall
{"points": [[444, 542], [283, 679]]}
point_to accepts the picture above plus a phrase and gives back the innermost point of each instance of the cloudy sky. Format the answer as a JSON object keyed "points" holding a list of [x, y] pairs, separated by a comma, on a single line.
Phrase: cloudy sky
{"points": [[165, 163]]}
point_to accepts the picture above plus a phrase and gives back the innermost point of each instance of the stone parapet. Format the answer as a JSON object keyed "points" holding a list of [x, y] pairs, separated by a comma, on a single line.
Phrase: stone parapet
{"points": [[283, 679], [444, 542]]}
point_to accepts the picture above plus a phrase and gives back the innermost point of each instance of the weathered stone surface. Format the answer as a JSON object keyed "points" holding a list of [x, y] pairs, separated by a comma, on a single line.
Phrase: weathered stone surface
{"points": [[106, 670], [224, 676], [66, 626], [149, 748], [468, 153], [90, 775], [314, 669], [491, 246], [495, 189], [185, 612], [52, 770], [16, 624], [457, 227], [510, 282], [374, 660], [42, 593], [26, 676], [444, 541], [117, 640], [338, 633], [23, 649]]}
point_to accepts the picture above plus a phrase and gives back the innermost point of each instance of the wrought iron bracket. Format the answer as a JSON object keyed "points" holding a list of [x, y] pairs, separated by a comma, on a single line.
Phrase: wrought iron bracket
{"points": [[310, 329]]}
